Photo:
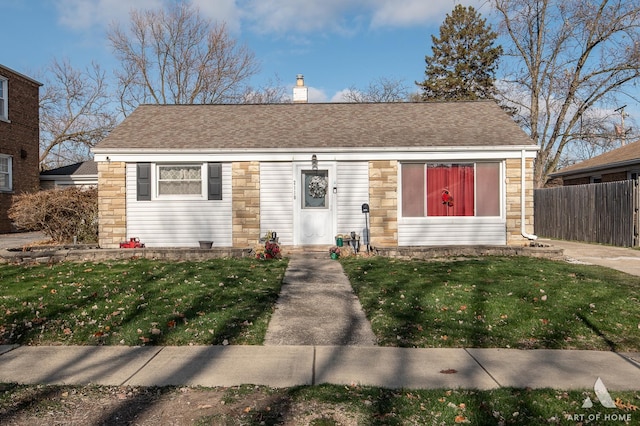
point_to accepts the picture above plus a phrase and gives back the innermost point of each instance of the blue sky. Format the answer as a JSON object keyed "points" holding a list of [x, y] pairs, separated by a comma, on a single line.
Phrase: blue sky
{"points": [[335, 44]]}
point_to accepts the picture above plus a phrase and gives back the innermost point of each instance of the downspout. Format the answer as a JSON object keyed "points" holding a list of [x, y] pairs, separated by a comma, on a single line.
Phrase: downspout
{"points": [[530, 237]]}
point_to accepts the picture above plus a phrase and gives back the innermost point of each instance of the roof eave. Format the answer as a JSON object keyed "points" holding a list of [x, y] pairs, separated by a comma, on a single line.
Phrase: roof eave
{"points": [[597, 168]]}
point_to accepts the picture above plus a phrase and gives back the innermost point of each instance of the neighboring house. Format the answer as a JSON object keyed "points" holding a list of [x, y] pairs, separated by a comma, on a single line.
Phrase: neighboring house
{"points": [[84, 175], [619, 164], [19, 139], [172, 175]]}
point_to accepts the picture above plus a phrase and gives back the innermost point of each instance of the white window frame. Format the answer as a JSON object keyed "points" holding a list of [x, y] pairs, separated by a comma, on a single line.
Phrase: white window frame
{"points": [[426, 218], [4, 99], [155, 177], [9, 172]]}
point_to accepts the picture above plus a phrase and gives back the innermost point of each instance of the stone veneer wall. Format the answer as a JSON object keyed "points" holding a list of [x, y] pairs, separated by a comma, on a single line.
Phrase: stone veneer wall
{"points": [[112, 215], [383, 203], [245, 184], [514, 201]]}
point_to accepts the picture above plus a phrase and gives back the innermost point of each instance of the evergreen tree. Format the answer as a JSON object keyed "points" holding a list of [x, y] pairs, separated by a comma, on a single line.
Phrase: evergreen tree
{"points": [[464, 59]]}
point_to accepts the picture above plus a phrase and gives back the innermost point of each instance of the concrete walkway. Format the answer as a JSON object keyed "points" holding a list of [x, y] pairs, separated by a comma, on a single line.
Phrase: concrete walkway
{"points": [[317, 306], [286, 366], [620, 258]]}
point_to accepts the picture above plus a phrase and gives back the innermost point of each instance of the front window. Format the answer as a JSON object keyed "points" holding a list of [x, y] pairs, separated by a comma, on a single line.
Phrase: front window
{"points": [[179, 180], [314, 189], [450, 189], [4, 114], [5, 173]]}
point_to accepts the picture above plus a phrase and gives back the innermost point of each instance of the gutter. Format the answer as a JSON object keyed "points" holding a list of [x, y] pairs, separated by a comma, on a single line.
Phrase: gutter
{"points": [[530, 237]]}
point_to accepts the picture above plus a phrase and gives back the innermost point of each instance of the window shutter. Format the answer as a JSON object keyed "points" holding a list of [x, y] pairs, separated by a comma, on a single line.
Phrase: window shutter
{"points": [[214, 181], [143, 181]]}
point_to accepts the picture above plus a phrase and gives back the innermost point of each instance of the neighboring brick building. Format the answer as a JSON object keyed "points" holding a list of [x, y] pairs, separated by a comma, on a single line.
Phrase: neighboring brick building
{"points": [[19, 139]]}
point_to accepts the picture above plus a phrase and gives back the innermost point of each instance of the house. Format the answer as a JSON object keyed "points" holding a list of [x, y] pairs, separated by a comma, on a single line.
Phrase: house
{"points": [[456, 173], [83, 174], [19, 139], [619, 164]]}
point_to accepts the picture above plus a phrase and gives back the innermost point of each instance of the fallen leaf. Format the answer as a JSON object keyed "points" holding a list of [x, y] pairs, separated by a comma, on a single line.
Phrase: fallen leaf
{"points": [[445, 337], [461, 419], [67, 331], [98, 334], [449, 371], [463, 307], [246, 410], [171, 324]]}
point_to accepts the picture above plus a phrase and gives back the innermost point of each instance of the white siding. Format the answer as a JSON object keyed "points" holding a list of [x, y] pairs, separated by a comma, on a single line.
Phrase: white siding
{"points": [[452, 232], [353, 191], [179, 223], [276, 200]]}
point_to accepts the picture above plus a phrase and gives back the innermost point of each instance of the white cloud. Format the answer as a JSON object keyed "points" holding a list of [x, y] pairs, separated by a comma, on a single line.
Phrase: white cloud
{"points": [[317, 95], [283, 17], [221, 11], [340, 96], [86, 14], [344, 16], [400, 13]]}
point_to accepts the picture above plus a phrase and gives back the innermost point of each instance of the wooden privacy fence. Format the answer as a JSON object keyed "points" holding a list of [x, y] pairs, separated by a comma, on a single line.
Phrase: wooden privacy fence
{"points": [[604, 213]]}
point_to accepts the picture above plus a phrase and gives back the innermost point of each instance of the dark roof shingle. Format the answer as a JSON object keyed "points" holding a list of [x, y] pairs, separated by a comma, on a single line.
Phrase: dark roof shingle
{"points": [[321, 125], [618, 157]]}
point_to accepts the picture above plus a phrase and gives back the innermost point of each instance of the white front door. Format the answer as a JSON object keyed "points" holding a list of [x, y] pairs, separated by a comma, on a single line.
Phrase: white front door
{"points": [[315, 205]]}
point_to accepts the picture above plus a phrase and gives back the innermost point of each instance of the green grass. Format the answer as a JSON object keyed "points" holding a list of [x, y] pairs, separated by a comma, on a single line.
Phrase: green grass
{"points": [[139, 302], [516, 302]]}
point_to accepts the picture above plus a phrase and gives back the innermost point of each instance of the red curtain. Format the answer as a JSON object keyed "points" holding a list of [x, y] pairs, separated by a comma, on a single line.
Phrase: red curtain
{"points": [[450, 190]]}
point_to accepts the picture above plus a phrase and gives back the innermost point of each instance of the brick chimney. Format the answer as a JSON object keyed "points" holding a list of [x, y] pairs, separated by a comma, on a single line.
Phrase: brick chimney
{"points": [[300, 92]]}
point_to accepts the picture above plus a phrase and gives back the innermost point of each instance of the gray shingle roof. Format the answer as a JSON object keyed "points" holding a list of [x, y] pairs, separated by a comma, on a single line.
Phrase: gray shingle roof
{"points": [[80, 169], [321, 125], [625, 155]]}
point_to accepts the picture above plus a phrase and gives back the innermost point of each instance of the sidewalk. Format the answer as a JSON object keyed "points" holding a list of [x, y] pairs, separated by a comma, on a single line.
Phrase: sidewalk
{"points": [[286, 366]]}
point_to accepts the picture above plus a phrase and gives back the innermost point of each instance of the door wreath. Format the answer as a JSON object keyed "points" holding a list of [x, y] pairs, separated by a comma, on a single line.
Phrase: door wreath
{"points": [[318, 187]]}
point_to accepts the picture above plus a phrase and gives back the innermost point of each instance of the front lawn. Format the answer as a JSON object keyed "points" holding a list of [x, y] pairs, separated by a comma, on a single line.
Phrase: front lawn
{"points": [[139, 302], [516, 302]]}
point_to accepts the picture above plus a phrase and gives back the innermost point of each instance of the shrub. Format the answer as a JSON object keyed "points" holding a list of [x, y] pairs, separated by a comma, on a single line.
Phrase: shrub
{"points": [[60, 213]]}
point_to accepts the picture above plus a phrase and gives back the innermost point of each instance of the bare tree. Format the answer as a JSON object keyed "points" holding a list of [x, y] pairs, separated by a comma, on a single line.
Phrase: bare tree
{"points": [[272, 92], [571, 56], [75, 113], [175, 56], [383, 89]]}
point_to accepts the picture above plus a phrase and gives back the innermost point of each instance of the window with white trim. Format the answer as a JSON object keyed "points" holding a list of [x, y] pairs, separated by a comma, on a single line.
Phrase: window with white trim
{"points": [[4, 103], [6, 174], [432, 189], [179, 179]]}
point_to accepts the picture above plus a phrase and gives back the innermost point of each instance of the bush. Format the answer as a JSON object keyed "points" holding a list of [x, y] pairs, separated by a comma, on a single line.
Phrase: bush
{"points": [[60, 213]]}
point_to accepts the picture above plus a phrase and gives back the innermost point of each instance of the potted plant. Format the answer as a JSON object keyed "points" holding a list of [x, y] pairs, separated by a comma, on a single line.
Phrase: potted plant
{"points": [[334, 252]]}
